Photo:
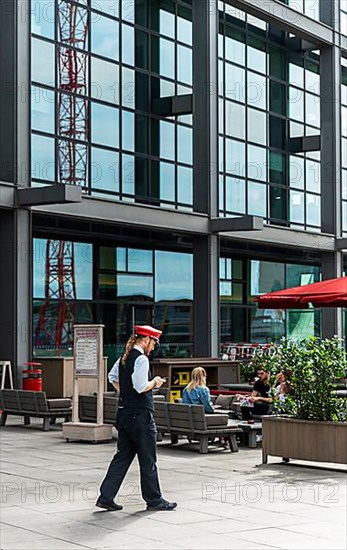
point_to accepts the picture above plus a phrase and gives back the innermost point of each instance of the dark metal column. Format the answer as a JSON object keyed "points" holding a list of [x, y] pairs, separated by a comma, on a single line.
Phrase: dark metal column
{"points": [[331, 158], [15, 225], [15, 286], [332, 317], [205, 182]]}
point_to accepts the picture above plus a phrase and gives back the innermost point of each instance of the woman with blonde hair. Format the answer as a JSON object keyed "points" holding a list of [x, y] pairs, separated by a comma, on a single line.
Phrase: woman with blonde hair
{"points": [[196, 392]]}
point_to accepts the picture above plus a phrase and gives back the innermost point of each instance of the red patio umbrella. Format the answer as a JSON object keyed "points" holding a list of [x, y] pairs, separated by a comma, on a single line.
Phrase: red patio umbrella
{"points": [[329, 293]]}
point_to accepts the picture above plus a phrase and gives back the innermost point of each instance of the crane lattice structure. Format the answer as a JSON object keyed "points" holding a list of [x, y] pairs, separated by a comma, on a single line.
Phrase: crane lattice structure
{"points": [[57, 313], [73, 26]]}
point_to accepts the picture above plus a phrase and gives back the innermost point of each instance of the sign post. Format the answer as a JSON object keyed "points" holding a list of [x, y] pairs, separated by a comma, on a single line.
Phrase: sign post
{"points": [[88, 363]]}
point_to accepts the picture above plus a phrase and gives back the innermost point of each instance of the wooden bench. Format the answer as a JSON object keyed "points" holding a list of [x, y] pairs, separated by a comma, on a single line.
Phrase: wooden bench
{"points": [[192, 422], [87, 405], [33, 404]]}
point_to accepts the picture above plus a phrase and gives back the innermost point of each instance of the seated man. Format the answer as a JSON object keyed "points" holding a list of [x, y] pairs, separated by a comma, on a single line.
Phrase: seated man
{"points": [[258, 401]]}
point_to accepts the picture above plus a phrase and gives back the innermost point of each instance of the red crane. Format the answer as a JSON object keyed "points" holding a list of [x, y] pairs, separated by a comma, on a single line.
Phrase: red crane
{"points": [[57, 313], [73, 26]]}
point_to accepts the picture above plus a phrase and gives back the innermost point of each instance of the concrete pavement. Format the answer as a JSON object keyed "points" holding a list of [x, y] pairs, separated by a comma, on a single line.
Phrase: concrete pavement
{"points": [[225, 500]]}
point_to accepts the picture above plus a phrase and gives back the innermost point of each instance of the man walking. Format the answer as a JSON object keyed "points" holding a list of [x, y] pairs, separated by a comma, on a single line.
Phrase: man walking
{"points": [[135, 423]]}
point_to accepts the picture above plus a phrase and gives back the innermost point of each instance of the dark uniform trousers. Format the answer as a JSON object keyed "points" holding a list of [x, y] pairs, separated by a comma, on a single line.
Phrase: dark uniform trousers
{"points": [[137, 434]]}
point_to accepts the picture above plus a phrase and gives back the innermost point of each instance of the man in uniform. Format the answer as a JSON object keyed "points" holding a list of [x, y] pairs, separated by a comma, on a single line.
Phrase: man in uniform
{"points": [[137, 432]]}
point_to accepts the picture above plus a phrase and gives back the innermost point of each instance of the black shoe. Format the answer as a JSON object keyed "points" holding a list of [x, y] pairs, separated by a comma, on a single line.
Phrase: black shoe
{"points": [[110, 506], [163, 505]]}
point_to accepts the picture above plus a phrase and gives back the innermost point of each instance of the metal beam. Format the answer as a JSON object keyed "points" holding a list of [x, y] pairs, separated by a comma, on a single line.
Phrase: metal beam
{"points": [[127, 214], [206, 296], [15, 225], [332, 317], [7, 195], [148, 217], [244, 223], [8, 86], [15, 286], [330, 71], [341, 244], [284, 237], [288, 19], [173, 105], [23, 98], [50, 194], [304, 144], [205, 106]]}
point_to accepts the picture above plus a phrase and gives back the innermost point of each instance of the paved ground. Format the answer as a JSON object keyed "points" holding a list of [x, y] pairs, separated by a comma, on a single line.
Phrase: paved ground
{"points": [[226, 500]]}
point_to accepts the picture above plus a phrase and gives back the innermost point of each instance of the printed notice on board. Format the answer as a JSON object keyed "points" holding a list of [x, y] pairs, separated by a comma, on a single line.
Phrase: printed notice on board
{"points": [[86, 351]]}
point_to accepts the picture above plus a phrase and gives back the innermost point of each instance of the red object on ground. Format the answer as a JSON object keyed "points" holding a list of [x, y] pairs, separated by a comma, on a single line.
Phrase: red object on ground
{"points": [[329, 293], [33, 381]]}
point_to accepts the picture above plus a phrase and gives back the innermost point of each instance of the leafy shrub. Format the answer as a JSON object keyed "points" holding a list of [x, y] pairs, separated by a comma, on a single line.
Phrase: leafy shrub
{"points": [[316, 365], [247, 371]]}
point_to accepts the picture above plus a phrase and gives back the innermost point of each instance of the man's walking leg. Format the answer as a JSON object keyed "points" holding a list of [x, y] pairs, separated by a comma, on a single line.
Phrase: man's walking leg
{"points": [[147, 454], [117, 469]]}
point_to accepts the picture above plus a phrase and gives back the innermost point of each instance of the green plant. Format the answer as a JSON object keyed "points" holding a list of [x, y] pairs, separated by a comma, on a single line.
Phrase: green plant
{"points": [[316, 364], [247, 371]]}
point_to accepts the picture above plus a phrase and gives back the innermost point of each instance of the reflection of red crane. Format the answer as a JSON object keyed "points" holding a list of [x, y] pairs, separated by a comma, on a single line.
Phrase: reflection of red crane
{"points": [[72, 96], [57, 314]]}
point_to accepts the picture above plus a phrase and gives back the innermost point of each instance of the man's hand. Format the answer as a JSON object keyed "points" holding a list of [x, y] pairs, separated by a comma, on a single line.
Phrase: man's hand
{"points": [[158, 381]]}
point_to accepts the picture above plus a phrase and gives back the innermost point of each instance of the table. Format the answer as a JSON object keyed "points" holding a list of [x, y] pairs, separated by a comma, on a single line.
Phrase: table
{"points": [[251, 431]]}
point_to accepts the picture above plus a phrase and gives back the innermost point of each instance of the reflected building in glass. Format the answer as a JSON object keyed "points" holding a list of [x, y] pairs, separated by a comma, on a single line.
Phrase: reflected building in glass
{"points": [[182, 123]]}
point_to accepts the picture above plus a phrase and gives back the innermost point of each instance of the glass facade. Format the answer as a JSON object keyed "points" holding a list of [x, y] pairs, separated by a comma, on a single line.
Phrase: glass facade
{"points": [[267, 95], [116, 286], [96, 66], [241, 281]]}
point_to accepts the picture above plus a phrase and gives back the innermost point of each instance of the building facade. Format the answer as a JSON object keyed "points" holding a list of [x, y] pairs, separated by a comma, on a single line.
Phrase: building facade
{"points": [[165, 162]]}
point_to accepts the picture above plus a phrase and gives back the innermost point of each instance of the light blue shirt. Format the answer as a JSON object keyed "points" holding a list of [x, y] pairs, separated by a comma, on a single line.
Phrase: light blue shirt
{"points": [[198, 396], [139, 376]]}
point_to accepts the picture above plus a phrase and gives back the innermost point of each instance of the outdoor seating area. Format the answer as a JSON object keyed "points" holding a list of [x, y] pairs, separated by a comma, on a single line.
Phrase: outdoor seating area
{"points": [[191, 421], [33, 404]]}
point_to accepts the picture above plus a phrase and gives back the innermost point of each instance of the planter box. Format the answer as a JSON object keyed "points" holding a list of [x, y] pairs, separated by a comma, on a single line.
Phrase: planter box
{"points": [[304, 439]]}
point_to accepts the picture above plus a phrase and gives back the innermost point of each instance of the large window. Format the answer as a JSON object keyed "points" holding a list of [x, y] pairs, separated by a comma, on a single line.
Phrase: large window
{"points": [[149, 287], [131, 286], [95, 68], [62, 292], [241, 281], [267, 95]]}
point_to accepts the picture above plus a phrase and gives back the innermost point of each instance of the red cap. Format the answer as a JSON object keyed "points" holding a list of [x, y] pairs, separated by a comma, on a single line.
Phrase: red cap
{"points": [[146, 330]]}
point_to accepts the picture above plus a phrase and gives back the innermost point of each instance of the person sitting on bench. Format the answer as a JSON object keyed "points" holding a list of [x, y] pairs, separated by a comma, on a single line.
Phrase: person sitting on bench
{"points": [[196, 392], [258, 402]]}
